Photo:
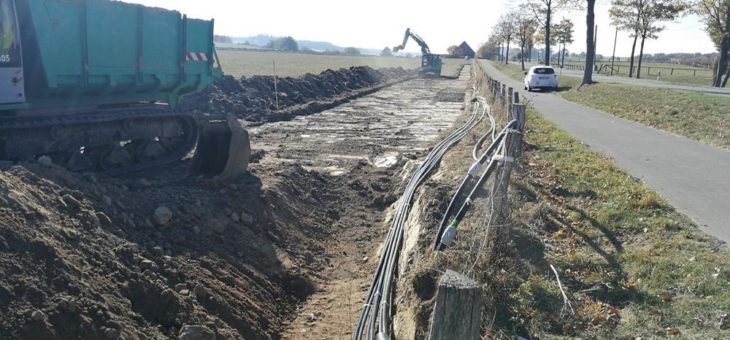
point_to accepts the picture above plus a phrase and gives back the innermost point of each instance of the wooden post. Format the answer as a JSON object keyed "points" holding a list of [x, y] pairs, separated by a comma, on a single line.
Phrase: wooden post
{"points": [[503, 94], [510, 90], [457, 310], [512, 152], [517, 97]]}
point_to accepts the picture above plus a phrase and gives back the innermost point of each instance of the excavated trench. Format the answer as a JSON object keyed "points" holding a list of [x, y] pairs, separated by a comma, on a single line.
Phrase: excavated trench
{"points": [[286, 251]]}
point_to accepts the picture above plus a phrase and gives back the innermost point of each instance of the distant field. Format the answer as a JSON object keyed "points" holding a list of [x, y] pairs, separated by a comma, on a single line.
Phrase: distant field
{"points": [[249, 63], [238, 46]]}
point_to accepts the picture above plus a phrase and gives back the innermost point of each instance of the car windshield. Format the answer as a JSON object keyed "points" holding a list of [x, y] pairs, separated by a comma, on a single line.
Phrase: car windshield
{"points": [[8, 36], [543, 70]]}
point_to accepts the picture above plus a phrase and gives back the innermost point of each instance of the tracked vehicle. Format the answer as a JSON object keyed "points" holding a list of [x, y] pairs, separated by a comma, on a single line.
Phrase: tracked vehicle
{"points": [[96, 85]]}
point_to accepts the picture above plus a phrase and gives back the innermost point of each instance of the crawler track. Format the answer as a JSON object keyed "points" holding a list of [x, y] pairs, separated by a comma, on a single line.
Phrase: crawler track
{"points": [[116, 141]]}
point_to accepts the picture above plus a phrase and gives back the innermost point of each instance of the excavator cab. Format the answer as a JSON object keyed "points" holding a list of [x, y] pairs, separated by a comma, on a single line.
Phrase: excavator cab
{"points": [[431, 64]]}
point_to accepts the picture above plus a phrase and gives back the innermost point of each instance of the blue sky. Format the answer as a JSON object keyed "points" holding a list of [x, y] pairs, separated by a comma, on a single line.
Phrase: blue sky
{"points": [[380, 23]]}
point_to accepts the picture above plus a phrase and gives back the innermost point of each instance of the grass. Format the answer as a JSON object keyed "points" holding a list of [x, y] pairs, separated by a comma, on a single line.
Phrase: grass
{"points": [[671, 73], [682, 74], [632, 265], [701, 117], [698, 116], [250, 63]]}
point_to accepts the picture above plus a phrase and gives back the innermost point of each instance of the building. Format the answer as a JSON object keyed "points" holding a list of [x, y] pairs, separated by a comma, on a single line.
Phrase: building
{"points": [[468, 51]]}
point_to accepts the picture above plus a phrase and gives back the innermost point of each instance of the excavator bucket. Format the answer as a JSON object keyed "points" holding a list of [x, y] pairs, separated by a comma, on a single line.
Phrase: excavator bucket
{"points": [[223, 148]]}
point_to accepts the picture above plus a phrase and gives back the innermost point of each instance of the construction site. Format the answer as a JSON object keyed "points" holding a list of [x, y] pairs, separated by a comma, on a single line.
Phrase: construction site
{"points": [[145, 193]]}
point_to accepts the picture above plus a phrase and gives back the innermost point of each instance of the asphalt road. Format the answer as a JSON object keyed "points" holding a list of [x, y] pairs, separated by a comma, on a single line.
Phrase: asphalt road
{"points": [[693, 177]]}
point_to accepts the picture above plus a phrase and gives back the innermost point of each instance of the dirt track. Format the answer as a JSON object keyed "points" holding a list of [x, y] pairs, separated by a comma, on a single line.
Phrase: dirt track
{"points": [[286, 250]]}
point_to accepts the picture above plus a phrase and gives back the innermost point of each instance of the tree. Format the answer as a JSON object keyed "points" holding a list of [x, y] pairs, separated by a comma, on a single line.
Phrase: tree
{"points": [[223, 39], [544, 11], [563, 35], [386, 52], [287, 44], [655, 12], [590, 43], [507, 30], [351, 51], [455, 51], [641, 18], [525, 28], [490, 49], [625, 15], [716, 16]]}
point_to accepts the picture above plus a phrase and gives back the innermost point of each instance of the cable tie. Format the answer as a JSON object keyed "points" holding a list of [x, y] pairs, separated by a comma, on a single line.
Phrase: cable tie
{"points": [[504, 159], [510, 130], [475, 169]]}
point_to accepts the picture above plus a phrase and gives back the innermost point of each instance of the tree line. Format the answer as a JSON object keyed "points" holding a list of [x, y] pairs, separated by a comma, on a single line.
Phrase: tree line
{"points": [[532, 23]]}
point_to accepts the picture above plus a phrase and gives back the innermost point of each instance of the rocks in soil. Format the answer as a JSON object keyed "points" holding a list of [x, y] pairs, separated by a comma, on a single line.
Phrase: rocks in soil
{"points": [[195, 332], [162, 215]]}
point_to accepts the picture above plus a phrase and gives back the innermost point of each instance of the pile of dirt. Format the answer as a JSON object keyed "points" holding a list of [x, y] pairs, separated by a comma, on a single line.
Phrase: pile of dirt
{"points": [[90, 257], [256, 98]]}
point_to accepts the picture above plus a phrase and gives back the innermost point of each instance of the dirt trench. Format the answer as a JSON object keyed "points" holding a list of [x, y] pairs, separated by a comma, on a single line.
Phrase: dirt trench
{"points": [[388, 131], [284, 252]]}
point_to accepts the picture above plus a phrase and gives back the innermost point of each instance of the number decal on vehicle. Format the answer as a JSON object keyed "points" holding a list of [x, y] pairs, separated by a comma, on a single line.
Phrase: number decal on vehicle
{"points": [[4, 58]]}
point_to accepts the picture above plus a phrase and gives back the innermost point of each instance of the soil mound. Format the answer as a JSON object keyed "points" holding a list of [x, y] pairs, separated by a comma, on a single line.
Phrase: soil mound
{"points": [[90, 257], [255, 98]]}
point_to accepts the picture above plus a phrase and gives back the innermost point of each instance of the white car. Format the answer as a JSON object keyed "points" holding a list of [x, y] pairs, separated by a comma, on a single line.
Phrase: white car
{"points": [[541, 77]]}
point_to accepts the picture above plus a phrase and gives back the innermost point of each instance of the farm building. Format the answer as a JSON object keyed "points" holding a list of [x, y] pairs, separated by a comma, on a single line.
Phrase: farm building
{"points": [[468, 51]]}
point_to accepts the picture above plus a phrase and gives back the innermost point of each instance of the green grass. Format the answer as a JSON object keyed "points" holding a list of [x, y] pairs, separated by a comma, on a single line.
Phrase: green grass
{"points": [[698, 116], [682, 74], [250, 63], [631, 264]]}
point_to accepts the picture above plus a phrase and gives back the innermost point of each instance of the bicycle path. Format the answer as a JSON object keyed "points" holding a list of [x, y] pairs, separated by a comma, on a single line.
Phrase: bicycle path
{"points": [[691, 176]]}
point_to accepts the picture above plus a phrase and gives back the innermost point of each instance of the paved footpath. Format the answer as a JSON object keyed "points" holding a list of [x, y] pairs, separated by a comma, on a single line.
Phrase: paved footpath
{"points": [[693, 177]]}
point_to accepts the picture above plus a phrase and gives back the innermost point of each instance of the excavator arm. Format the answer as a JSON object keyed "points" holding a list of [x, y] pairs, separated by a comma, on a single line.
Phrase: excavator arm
{"points": [[409, 34]]}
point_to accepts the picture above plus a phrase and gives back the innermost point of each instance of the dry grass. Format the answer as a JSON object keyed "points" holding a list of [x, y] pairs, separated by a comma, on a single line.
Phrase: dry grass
{"points": [[250, 63], [630, 264]]}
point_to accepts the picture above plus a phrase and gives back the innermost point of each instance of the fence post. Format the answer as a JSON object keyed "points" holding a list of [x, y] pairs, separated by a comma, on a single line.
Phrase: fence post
{"points": [[512, 151], [517, 97], [503, 94], [510, 90], [457, 310]]}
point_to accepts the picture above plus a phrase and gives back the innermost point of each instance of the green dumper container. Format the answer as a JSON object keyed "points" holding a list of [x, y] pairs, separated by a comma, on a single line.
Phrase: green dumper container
{"points": [[86, 53]]}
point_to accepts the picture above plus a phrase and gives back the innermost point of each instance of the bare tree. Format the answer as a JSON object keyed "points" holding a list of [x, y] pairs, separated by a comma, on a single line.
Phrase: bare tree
{"points": [[543, 10], [507, 28], [563, 35], [525, 26], [716, 15]]}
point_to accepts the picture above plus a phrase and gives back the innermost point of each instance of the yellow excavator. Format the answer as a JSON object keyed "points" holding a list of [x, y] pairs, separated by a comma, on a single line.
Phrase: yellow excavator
{"points": [[430, 63]]}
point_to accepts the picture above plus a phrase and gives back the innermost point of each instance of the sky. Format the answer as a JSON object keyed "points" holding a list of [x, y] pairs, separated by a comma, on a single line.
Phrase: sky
{"points": [[381, 23]]}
